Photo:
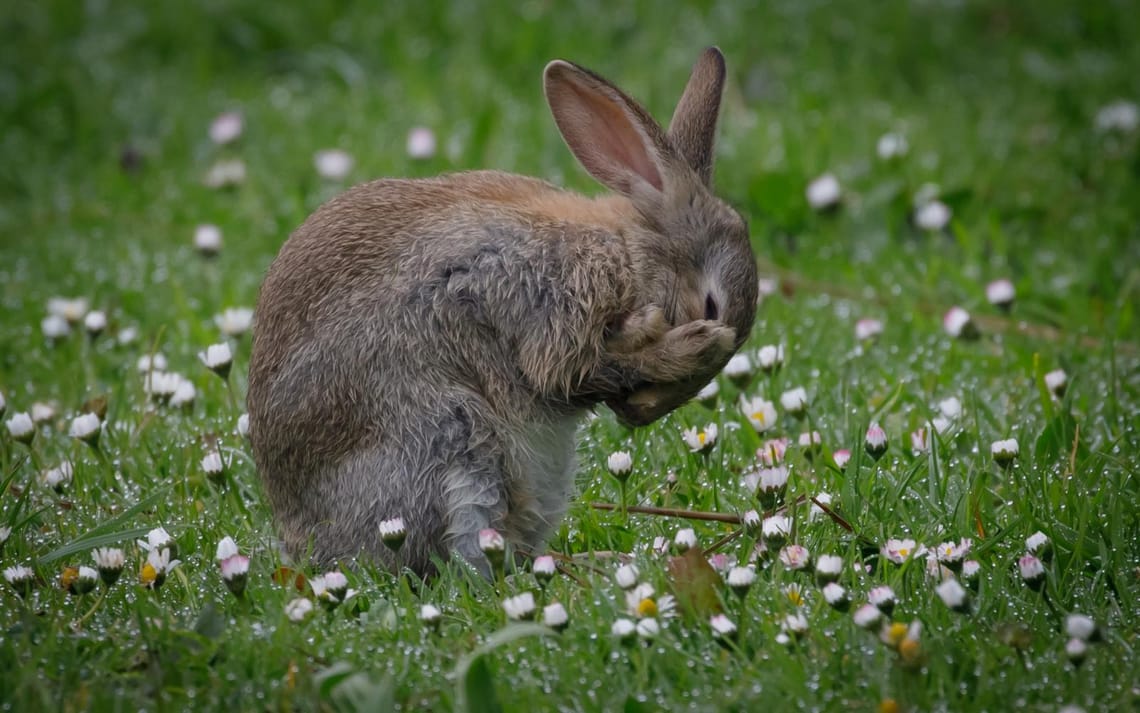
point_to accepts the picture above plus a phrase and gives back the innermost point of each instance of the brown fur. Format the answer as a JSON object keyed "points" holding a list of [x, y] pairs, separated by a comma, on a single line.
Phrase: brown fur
{"points": [[424, 348]]}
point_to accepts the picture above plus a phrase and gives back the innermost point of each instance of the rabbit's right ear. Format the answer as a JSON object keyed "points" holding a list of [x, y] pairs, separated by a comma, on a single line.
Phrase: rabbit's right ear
{"points": [[609, 133]]}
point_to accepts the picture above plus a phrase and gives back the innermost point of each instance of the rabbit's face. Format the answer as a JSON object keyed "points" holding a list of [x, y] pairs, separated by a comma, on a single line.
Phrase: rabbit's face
{"points": [[696, 262]]}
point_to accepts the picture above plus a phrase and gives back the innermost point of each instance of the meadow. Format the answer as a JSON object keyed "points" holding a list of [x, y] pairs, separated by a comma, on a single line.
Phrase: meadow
{"points": [[895, 160]]}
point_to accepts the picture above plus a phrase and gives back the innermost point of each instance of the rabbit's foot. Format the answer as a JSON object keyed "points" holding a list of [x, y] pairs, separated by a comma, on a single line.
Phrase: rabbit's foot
{"points": [[697, 348]]}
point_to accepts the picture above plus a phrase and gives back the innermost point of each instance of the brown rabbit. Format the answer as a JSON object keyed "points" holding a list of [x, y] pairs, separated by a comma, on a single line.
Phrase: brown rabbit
{"points": [[425, 349]]}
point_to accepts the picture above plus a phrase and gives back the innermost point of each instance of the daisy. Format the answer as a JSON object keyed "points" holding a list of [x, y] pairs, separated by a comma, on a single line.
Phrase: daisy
{"points": [[225, 174], [234, 321], [883, 597], [22, 579], [1000, 293], [421, 143], [836, 597], [795, 557], [760, 413], [739, 369], [298, 609], [1057, 381], [393, 533], [824, 192], [86, 427], [772, 451], [208, 239], [1032, 571], [875, 442], [110, 562], [620, 464], [740, 580], [776, 530], [709, 393], [867, 329], [867, 616], [770, 357], [218, 358], [827, 569], [700, 441], [95, 323], [958, 324], [795, 401], [899, 551], [1005, 452], [430, 616], [626, 576], [226, 128], [685, 539], [58, 478], [554, 615], [953, 595], [332, 164], [543, 568], [932, 216], [891, 146], [21, 428], [520, 607]]}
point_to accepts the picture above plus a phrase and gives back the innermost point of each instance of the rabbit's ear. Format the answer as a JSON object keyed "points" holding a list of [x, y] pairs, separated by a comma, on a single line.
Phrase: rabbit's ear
{"points": [[611, 136], [693, 128]]}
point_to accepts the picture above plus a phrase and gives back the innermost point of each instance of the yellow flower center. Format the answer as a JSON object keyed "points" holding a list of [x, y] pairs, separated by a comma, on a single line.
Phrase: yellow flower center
{"points": [[895, 633], [68, 577], [148, 574], [759, 416], [910, 649], [701, 438], [795, 597], [903, 552], [647, 608]]}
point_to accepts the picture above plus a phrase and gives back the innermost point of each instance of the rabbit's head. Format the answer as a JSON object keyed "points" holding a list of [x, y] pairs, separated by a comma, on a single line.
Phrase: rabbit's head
{"points": [[690, 252]]}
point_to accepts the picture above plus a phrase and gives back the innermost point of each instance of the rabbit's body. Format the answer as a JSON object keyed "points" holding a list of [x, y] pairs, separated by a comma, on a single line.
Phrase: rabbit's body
{"points": [[424, 349]]}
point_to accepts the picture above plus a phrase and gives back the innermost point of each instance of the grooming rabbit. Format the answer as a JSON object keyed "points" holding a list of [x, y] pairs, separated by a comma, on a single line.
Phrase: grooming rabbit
{"points": [[425, 349]]}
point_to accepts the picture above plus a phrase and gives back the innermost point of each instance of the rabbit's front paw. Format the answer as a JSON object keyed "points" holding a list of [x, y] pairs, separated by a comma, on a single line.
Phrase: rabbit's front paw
{"points": [[694, 349], [640, 327], [650, 403]]}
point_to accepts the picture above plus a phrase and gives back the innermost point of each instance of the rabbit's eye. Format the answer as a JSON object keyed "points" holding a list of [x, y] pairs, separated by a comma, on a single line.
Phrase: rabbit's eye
{"points": [[710, 307]]}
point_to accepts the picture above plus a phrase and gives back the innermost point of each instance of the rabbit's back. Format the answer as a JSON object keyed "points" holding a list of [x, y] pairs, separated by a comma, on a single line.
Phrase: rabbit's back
{"points": [[391, 336]]}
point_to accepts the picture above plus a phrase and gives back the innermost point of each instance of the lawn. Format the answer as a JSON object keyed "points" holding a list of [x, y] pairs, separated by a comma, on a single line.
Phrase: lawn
{"points": [[1021, 162]]}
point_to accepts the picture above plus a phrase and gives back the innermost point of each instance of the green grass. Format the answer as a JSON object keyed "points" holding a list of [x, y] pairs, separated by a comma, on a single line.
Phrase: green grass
{"points": [[998, 102]]}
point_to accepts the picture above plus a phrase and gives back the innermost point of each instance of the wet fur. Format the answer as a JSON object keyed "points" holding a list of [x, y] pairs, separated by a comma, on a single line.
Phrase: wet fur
{"points": [[425, 348]]}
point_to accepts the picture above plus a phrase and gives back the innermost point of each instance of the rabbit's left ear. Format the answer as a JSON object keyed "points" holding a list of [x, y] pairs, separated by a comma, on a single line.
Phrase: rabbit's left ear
{"points": [[693, 128]]}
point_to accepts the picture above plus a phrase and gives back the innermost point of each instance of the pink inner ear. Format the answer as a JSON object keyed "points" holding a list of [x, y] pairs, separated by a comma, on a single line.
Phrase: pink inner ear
{"points": [[607, 135]]}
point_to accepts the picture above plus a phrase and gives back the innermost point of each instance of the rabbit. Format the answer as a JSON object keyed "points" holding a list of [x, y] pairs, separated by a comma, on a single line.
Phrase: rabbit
{"points": [[426, 349]]}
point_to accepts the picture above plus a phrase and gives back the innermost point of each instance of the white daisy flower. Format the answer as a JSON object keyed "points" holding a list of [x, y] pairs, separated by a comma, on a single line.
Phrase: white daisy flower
{"points": [[1122, 116], [298, 609], [55, 327], [554, 615], [867, 329], [393, 532], [1005, 452], [225, 173], [1032, 571], [709, 393], [741, 579], [953, 595], [543, 568], [620, 464], [883, 597], [110, 562], [21, 428], [624, 630], [685, 539], [932, 216], [95, 322], [58, 478], [795, 557], [218, 358], [226, 128], [332, 164], [21, 579], [739, 369], [71, 309], [867, 616], [430, 616], [243, 425], [760, 413], [795, 401], [1000, 293], [208, 239], [700, 441], [891, 146], [421, 143], [875, 442], [520, 607], [152, 362], [1057, 381], [823, 192], [958, 324], [86, 427], [626, 576], [770, 357], [234, 321]]}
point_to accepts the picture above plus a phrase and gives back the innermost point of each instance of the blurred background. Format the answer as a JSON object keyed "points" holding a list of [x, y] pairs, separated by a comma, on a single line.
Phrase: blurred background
{"points": [[1000, 105]]}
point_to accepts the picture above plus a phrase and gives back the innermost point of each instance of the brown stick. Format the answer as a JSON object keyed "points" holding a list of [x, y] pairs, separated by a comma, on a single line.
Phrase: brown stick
{"points": [[672, 512]]}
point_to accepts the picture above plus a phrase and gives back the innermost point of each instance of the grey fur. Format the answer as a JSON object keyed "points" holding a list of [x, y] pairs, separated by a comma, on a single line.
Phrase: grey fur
{"points": [[425, 348]]}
